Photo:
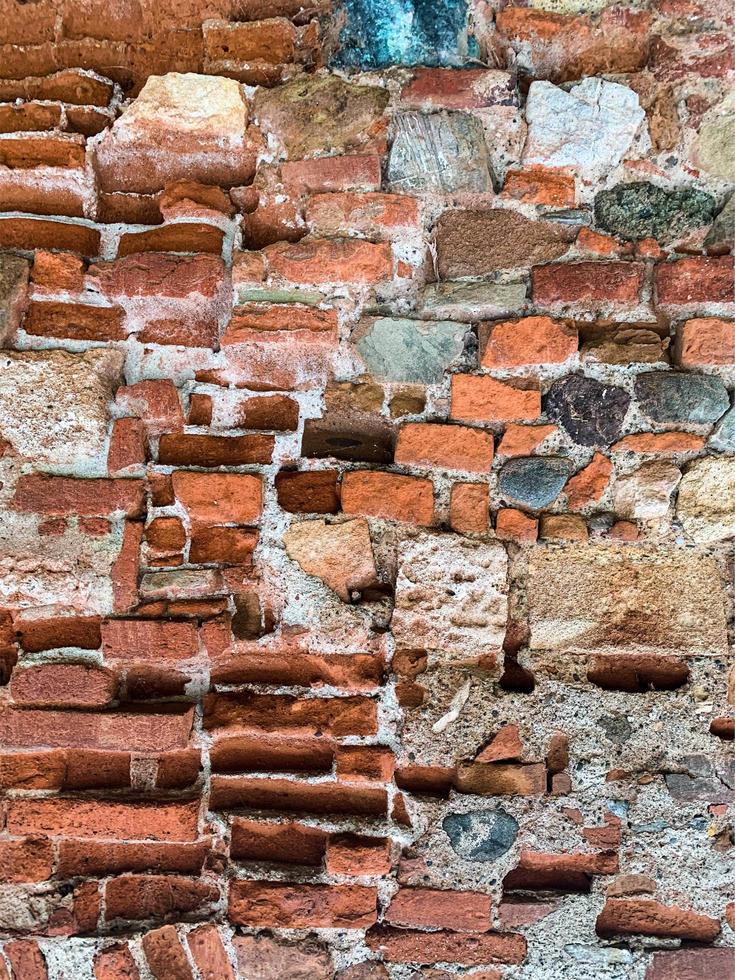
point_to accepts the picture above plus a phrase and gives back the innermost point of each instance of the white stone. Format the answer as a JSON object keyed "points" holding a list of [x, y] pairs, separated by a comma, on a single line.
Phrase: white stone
{"points": [[646, 493], [590, 128], [451, 595], [706, 502], [54, 406]]}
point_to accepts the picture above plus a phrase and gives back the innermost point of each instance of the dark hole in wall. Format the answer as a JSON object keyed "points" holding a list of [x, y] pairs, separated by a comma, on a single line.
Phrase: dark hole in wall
{"points": [[378, 33]]}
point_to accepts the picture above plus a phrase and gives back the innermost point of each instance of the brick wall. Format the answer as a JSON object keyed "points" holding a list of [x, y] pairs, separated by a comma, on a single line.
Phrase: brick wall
{"points": [[367, 496]]}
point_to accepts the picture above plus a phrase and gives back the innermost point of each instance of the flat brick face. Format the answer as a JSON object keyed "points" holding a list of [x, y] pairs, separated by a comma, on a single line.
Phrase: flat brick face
{"points": [[367, 490]]}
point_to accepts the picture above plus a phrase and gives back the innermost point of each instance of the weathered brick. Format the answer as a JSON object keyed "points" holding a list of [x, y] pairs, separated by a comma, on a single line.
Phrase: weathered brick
{"points": [[480, 398], [452, 447], [275, 904], [388, 495]]}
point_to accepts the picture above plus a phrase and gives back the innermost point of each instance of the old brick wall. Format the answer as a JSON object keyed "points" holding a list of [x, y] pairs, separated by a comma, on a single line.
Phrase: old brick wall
{"points": [[367, 495]]}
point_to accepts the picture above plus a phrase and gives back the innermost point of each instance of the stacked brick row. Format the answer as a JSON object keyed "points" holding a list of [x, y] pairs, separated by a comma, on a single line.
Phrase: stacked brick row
{"points": [[367, 499]]}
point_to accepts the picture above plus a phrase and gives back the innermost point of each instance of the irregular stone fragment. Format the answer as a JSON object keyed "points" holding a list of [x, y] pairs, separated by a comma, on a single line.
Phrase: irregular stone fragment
{"points": [[442, 152], [667, 396], [326, 114], [54, 405], [721, 236], [180, 127], [723, 438], [590, 128], [451, 594], [588, 597], [706, 501], [481, 835], [643, 210], [646, 493], [467, 301], [410, 350], [590, 411], [13, 281], [714, 149], [477, 243], [341, 555], [534, 481]]}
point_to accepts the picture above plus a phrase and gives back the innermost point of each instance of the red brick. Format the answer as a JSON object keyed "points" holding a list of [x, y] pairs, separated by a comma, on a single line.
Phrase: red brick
{"points": [[706, 342], [594, 283], [352, 854], [538, 871], [368, 215], [468, 508], [29, 117], [165, 954], [480, 398], [111, 819], [660, 443], [29, 859], [214, 498], [61, 495], [26, 960], [42, 150], [388, 495], [532, 340], [138, 732], [92, 769], [640, 916], [696, 280], [223, 546], [92, 858], [522, 440], [271, 41], [290, 796], [276, 412], [452, 447], [372, 762], [205, 450], [352, 715], [64, 685], [308, 492], [115, 963], [281, 843], [76, 321], [155, 402], [432, 908], [692, 964], [408, 946], [322, 261], [501, 778], [589, 484], [300, 668], [48, 633], [30, 233], [252, 753], [541, 185], [179, 236], [128, 446], [138, 897], [208, 953], [447, 88], [340, 173], [124, 572], [264, 904], [165, 535], [266, 321]]}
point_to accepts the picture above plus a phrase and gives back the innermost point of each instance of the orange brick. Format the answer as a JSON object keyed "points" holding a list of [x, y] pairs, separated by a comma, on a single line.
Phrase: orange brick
{"points": [[541, 185], [214, 498], [481, 398], [706, 342], [452, 447], [388, 495], [469, 508], [320, 261], [514, 525], [532, 340], [269, 905], [522, 440]]}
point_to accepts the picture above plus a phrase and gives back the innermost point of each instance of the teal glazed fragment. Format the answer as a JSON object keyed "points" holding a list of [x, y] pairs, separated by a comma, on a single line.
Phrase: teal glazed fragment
{"points": [[378, 33]]}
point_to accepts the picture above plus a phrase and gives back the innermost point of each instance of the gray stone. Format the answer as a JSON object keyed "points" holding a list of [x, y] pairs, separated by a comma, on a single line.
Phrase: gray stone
{"points": [[721, 236], [13, 282], [534, 481], [723, 438], [590, 411], [410, 350], [483, 835], [467, 301], [442, 152], [642, 210], [616, 727], [667, 396]]}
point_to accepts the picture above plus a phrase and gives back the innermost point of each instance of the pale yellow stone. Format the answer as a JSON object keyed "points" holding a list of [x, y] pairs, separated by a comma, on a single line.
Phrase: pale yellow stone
{"points": [[341, 555]]}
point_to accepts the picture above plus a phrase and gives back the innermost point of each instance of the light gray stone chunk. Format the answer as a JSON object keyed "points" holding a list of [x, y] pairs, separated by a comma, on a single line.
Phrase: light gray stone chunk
{"points": [[442, 152], [410, 350]]}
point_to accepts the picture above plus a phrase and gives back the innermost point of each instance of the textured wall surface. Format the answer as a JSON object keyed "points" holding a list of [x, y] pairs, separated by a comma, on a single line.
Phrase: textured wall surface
{"points": [[367, 491]]}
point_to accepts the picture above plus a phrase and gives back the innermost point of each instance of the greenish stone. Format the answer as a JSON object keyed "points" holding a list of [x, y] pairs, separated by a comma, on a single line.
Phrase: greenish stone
{"points": [[482, 835], [474, 300], [721, 236], [249, 295], [534, 481], [411, 350], [642, 210], [714, 147], [669, 396], [723, 438]]}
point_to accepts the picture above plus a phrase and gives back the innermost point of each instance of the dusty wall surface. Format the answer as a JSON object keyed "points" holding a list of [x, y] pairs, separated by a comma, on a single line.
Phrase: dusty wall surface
{"points": [[367, 492]]}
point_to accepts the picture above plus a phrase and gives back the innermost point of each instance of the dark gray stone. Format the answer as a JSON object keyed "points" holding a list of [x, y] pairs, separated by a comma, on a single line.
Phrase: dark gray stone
{"points": [[357, 438], [721, 237], [483, 835], [444, 152], [616, 727], [642, 210], [534, 481], [667, 396], [590, 411]]}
